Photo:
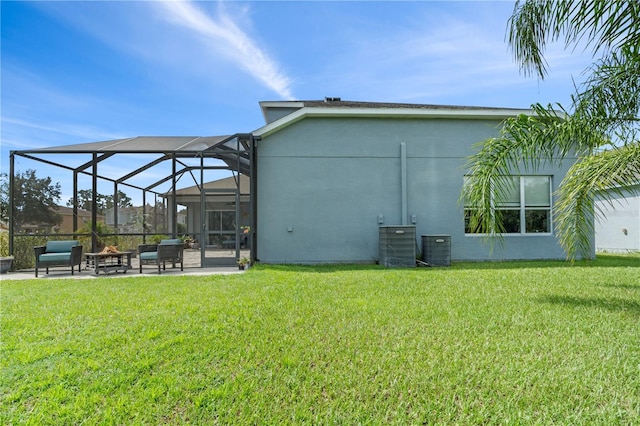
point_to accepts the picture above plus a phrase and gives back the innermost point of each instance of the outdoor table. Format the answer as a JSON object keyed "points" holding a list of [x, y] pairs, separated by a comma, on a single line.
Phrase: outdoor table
{"points": [[107, 262]]}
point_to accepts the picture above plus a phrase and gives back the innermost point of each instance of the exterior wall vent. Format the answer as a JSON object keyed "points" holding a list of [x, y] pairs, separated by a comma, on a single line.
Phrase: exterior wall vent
{"points": [[436, 250], [398, 246]]}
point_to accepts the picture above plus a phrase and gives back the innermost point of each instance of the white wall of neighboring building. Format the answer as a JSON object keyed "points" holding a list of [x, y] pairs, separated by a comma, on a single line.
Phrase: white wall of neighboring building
{"points": [[619, 230]]}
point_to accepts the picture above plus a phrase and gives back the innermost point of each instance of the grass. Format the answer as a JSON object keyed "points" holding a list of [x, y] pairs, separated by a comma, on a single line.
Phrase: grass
{"points": [[510, 343]]}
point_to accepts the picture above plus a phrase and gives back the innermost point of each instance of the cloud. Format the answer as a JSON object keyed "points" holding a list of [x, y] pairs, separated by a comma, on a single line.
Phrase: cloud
{"points": [[437, 56], [75, 130], [236, 44]]}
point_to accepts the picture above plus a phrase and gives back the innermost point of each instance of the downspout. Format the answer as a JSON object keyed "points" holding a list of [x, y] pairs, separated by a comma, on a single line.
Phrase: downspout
{"points": [[403, 181]]}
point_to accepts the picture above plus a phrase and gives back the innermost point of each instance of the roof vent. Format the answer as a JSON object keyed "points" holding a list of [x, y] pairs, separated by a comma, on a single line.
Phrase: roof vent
{"points": [[327, 99]]}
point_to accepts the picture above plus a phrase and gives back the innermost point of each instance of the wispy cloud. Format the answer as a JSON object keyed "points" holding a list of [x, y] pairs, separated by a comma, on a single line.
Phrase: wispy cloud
{"points": [[76, 130], [236, 44], [450, 60]]}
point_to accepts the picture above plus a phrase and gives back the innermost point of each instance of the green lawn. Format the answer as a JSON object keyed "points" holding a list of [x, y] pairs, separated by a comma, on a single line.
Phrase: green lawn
{"points": [[509, 343]]}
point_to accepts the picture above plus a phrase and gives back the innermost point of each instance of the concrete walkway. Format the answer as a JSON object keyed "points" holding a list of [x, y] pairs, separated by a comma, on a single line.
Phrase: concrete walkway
{"points": [[191, 267], [60, 273]]}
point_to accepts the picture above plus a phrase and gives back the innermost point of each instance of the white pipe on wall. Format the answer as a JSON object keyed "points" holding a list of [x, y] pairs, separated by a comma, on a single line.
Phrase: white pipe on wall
{"points": [[403, 181]]}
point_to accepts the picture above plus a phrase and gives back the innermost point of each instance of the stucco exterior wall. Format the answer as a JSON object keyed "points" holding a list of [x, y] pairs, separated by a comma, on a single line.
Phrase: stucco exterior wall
{"points": [[619, 231], [323, 184]]}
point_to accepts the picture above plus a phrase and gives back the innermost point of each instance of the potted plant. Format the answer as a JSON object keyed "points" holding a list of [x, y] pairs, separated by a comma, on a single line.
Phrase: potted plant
{"points": [[243, 262], [6, 261]]}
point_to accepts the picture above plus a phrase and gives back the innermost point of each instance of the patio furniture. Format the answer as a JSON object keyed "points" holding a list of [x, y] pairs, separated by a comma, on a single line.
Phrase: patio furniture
{"points": [[58, 253], [108, 262], [168, 250]]}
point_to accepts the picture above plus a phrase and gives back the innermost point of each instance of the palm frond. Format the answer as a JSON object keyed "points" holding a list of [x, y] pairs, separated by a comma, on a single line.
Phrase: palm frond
{"points": [[610, 99], [607, 174], [602, 25]]}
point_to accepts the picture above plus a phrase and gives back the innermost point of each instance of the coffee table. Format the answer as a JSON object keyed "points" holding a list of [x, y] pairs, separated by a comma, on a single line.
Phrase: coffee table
{"points": [[109, 262]]}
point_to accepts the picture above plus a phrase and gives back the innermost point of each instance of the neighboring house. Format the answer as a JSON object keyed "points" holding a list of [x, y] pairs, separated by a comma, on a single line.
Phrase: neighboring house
{"points": [[329, 173], [66, 226], [619, 229], [129, 219]]}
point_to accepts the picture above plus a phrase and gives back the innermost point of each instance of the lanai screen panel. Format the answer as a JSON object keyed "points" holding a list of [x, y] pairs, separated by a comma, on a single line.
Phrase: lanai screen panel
{"points": [[142, 144]]}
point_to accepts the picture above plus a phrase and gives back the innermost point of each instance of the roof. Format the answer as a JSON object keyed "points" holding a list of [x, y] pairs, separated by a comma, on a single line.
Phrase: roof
{"points": [[233, 150], [221, 190], [339, 103], [335, 107], [142, 144], [69, 210], [228, 183]]}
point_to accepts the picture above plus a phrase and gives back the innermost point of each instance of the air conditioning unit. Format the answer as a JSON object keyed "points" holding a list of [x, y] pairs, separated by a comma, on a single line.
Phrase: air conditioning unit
{"points": [[398, 246], [436, 250]]}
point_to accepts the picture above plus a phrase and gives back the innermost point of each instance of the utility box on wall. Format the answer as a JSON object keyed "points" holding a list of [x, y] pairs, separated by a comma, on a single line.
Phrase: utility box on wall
{"points": [[436, 250], [398, 246]]}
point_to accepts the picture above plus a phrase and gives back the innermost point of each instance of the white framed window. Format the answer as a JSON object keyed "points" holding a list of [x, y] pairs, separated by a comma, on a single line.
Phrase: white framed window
{"points": [[525, 205]]}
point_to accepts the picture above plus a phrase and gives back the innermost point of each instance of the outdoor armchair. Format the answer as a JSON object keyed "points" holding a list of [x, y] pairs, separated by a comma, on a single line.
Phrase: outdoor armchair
{"points": [[159, 254], [58, 253]]}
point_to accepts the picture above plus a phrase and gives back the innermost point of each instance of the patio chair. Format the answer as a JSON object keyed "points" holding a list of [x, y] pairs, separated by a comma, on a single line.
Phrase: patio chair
{"points": [[159, 254], [58, 253]]}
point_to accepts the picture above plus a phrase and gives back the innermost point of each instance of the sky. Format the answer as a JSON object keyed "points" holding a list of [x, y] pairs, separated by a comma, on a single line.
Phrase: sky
{"points": [[87, 71]]}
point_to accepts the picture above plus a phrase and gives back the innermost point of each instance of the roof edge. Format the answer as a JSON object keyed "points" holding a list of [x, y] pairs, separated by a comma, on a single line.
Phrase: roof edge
{"points": [[393, 112]]}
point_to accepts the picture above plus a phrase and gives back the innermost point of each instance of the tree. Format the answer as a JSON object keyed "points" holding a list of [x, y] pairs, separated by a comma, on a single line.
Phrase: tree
{"points": [[103, 202], [601, 126], [123, 200], [35, 200], [4, 197]]}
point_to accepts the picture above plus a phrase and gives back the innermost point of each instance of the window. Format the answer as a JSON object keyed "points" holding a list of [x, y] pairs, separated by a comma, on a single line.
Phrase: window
{"points": [[525, 205], [221, 220]]}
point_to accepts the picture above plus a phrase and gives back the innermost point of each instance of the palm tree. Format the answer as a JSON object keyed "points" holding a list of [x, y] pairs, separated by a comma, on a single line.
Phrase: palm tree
{"points": [[601, 127]]}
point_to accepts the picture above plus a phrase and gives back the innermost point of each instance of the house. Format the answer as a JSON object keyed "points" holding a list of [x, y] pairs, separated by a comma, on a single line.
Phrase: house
{"points": [[322, 180], [219, 212], [66, 225], [619, 229], [330, 173], [129, 219]]}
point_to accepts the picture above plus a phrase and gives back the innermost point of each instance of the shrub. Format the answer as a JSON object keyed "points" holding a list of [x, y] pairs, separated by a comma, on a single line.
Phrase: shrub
{"points": [[4, 244], [155, 239], [24, 256]]}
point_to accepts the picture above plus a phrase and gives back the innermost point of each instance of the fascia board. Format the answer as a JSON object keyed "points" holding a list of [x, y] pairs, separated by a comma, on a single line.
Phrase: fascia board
{"points": [[265, 105], [281, 104], [476, 114], [281, 123]]}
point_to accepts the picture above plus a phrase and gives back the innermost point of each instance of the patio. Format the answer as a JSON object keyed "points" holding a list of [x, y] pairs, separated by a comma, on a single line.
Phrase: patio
{"points": [[191, 267], [163, 166]]}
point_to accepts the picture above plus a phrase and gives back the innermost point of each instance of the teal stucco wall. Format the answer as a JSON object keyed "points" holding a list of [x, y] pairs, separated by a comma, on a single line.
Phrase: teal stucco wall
{"points": [[324, 182]]}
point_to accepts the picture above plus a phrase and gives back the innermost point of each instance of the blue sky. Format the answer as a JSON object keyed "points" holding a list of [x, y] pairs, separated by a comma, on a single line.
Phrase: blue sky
{"points": [[76, 72]]}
